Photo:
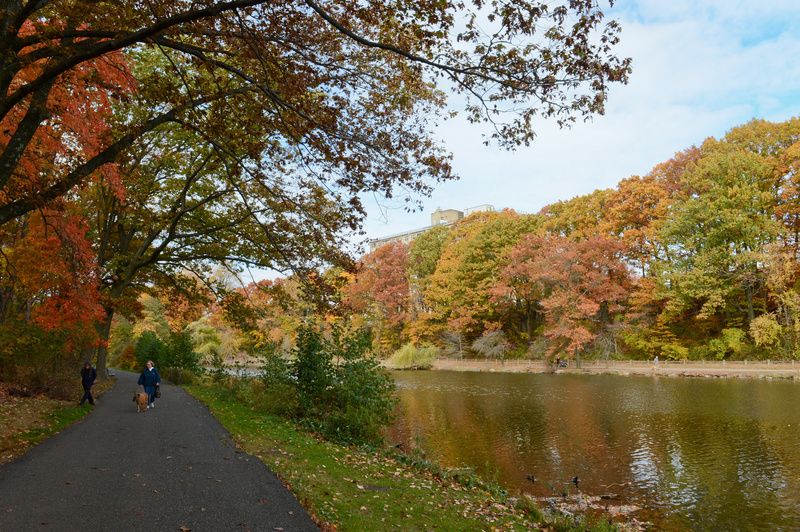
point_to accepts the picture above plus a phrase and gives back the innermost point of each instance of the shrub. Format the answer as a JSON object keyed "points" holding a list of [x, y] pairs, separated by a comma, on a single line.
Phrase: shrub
{"points": [[217, 369], [150, 347], [333, 386], [279, 395], [730, 342], [341, 390], [765, 330], [365, 402], [40, 360], [492, 345], [314, 373], [179, 375], [537, 349], [411, 357], [674, 352]]}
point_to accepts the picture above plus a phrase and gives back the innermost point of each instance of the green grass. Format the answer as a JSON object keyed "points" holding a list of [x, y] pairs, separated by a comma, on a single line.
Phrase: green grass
{"points": [[56, 421], [362, 490], [411, 357]]}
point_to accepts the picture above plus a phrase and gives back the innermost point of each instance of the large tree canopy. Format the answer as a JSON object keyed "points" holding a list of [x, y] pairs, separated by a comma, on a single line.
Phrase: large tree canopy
{"points": [[340, 94]]}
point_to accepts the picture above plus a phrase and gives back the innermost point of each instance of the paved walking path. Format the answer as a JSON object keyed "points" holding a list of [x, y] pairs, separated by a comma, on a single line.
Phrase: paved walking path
{"points": [[173, 466]]}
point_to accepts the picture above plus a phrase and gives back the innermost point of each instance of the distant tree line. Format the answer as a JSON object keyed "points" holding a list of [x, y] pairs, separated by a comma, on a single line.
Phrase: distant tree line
{"points": [[697, 259]]}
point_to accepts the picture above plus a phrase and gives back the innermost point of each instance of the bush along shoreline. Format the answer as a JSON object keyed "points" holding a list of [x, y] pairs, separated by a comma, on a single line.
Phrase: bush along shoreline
{"points": [[317, 418]]}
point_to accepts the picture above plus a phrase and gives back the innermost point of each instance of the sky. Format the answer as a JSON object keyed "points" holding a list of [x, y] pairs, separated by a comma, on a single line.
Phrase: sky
{"points": [[700, 68]]}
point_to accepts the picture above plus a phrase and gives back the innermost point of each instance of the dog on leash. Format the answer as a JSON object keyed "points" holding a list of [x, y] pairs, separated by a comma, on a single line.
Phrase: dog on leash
{"points": [[140, 398]]}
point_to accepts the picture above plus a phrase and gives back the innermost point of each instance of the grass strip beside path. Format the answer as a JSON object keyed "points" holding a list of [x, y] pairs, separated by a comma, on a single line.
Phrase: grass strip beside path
{"points": [[347, 488], [27, 421]]}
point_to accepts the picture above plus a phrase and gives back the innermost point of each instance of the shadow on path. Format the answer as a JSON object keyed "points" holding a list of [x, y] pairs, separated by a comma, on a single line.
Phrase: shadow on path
{"points": [[170, 467]]}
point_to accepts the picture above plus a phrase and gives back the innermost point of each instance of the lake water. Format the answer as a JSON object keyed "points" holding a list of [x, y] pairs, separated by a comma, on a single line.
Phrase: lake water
{"points": [[701, 454]]}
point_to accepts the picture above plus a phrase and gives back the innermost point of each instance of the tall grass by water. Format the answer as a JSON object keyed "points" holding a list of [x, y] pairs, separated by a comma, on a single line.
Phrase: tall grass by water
{"points": [[411, 357]]}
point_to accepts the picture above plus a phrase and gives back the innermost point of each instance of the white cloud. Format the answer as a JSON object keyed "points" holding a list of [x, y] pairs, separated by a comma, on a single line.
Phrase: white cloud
{"points": [[699, 69]]}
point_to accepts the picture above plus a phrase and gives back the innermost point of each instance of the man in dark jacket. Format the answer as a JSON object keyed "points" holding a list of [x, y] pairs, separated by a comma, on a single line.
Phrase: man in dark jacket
{"points": [[150, 380], [88, 376]]}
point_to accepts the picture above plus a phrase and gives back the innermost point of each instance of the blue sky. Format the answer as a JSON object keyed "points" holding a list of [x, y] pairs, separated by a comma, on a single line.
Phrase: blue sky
{"points": [[699, 69]]}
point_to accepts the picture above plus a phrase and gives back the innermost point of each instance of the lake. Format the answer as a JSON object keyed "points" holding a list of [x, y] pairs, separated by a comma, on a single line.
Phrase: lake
{"points": [[703, 454]]}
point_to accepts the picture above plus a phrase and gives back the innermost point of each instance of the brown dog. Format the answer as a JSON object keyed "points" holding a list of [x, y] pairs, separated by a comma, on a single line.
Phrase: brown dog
{"points": [[140, 398]]}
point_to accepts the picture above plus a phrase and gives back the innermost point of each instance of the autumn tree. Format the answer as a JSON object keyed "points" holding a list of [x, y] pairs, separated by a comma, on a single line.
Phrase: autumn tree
{"points": [[380, 290], [184, 211], [337, 82], [269, 313], [578, 218], [459, 290], [579, 287], [423, 256], [634, 213], [49, 297]]}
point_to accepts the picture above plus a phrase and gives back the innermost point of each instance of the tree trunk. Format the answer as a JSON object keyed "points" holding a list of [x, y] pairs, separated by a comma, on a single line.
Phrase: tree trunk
{"points": [[749, 295], [104, 331]]}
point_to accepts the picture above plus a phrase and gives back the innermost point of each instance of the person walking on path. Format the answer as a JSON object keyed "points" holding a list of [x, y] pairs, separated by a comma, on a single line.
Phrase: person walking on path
{"points": [[88, 376], [123, 481], [150, 380]]}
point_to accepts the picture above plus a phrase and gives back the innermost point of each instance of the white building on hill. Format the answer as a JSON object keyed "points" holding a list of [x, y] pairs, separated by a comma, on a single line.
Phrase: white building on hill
{"points": [[438, 217]]}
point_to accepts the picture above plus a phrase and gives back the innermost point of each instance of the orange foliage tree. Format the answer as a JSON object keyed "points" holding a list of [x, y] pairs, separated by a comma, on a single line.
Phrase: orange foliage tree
{"points": [[49, 297], [579, 286], [381, 292]]}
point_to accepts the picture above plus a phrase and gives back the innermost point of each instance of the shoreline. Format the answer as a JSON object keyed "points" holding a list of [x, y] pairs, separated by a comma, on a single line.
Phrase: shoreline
{"points": [[359, 488], [703, 369]]}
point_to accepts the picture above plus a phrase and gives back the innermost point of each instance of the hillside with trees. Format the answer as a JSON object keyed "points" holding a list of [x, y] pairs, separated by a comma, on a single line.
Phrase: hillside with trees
{"points": [[698, 259]]}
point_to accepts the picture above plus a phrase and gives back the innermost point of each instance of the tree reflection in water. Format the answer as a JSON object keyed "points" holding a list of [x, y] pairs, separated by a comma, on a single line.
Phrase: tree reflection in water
{"points": [[699, 453]]}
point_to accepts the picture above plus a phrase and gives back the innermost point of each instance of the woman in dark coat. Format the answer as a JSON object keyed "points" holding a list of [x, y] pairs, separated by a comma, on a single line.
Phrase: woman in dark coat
{"points": [[88, 376], [150, 379]]}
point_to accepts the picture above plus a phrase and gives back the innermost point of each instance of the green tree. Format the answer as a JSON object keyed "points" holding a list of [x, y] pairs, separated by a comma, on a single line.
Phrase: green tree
{"points": [[206, 340], [181, 354], [423, 257], [718, 235], [150, 347]]}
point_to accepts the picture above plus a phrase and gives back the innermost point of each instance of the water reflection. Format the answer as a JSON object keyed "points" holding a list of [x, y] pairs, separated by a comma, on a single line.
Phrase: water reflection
{"points": [[701, 454]]}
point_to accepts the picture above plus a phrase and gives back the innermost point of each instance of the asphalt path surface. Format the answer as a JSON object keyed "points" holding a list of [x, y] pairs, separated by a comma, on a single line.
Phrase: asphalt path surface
{"points": [[170, 467]]}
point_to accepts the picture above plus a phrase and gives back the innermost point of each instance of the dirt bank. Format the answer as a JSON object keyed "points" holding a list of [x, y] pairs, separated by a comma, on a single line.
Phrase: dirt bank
{"points": [[738, 369]]}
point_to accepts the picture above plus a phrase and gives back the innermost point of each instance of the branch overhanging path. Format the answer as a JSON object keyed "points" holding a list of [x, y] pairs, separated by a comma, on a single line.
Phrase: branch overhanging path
{"points": [[170, 467]]}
